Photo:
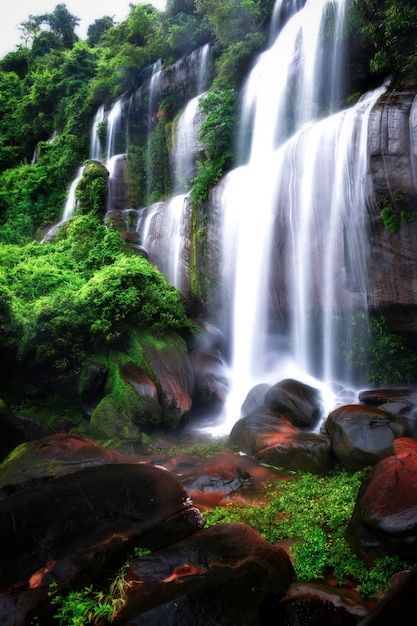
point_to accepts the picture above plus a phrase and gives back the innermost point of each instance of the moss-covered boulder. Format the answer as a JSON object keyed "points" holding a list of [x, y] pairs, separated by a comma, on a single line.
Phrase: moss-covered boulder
{"points": [[91, 191]]}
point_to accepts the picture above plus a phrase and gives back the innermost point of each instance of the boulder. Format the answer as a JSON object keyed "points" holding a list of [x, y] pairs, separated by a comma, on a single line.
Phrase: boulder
{"points": [[273, 439], [384, 520], [319, 603], [148, 408], [301, 403], [255, 398], [52, 456], [211, 384], [219, 576], [66, 527], [173, 375], [361, 435]]}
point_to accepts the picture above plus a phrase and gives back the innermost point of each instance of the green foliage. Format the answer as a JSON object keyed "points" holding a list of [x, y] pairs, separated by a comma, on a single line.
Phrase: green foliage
{"points": [[158, 164], [98, 28], [62, 299], [231, 20], [396, 209], [390, 28], [384, 356], [313, 512], [60, 22], [91, 191], [218, 107], [89, 605]]}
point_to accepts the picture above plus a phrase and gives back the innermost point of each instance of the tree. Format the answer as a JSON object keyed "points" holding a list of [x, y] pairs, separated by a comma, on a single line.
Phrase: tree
{"points": [[98, 28], [390, 26], [61, 25]]}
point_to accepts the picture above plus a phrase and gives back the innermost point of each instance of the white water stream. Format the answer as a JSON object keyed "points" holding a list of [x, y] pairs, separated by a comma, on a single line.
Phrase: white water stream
{"points": [[307, 187]]}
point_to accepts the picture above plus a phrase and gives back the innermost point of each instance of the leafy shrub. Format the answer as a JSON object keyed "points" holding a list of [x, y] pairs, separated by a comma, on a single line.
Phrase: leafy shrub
{"points": [[383, 356]]}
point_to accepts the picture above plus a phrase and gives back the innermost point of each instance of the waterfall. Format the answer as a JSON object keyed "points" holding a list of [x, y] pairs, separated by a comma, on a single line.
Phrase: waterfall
{"points": [[326, 226], [71, 200], [186, 144], [168, 249], [304, 183], [203, 69], [153, 92], [95, 145], [114, 124]]}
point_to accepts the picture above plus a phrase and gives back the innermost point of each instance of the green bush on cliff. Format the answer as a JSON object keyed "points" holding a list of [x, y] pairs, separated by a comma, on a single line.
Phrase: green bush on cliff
{"points": [[382, 355], [65, 298]]}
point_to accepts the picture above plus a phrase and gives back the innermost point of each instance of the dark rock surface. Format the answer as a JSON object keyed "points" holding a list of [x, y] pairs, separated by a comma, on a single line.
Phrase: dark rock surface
{"points": [[361, 435], [272, 438], [52, 456], [72, 517], [217, 577], [384, 521], [301, 403]]}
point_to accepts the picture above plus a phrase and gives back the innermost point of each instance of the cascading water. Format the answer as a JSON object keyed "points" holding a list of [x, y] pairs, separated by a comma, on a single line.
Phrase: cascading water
{"points": [[186, 144], [71, 200], [173, 233], [95, 145], [114, 121], [153, 91], [305, 184]]}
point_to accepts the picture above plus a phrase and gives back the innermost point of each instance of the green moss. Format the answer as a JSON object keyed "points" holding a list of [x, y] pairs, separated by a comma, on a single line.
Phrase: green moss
{"points": [[396, 209]]}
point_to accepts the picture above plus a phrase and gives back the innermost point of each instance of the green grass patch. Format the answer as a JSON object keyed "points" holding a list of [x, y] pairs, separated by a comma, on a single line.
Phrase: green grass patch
{"points": [[313, 513]]}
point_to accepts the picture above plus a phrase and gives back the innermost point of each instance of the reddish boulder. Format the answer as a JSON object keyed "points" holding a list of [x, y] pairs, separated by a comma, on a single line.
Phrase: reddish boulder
{"points": [[384, 521], [52, 456], [218, 576], [69, 524], [274, 440]]}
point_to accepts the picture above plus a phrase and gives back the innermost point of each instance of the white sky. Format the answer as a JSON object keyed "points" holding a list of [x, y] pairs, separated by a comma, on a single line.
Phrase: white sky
{"points": [[13, 14]]}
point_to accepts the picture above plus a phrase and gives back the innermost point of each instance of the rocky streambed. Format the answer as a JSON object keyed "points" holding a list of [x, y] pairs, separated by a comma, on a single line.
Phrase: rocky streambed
{"points": [[74, 514]]}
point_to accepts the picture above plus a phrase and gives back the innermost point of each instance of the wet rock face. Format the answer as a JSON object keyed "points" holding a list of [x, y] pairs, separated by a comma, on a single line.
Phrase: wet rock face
{"points": [[384, 520], [219, 576], [362, 435], [393, 163], [298, 401], [69, 519]]}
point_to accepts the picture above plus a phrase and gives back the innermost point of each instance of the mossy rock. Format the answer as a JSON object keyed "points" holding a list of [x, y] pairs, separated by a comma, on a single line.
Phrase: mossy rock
{"points": [[111, 421]]}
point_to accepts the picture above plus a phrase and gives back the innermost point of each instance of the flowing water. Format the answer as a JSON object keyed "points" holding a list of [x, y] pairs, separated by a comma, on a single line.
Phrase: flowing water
{"points": [[305, 180], [294, 252], [95, 145]]}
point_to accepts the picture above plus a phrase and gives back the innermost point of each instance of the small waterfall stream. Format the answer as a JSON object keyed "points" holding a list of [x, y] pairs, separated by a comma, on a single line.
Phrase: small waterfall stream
{"points": [[95, 145], [174, 218]]}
